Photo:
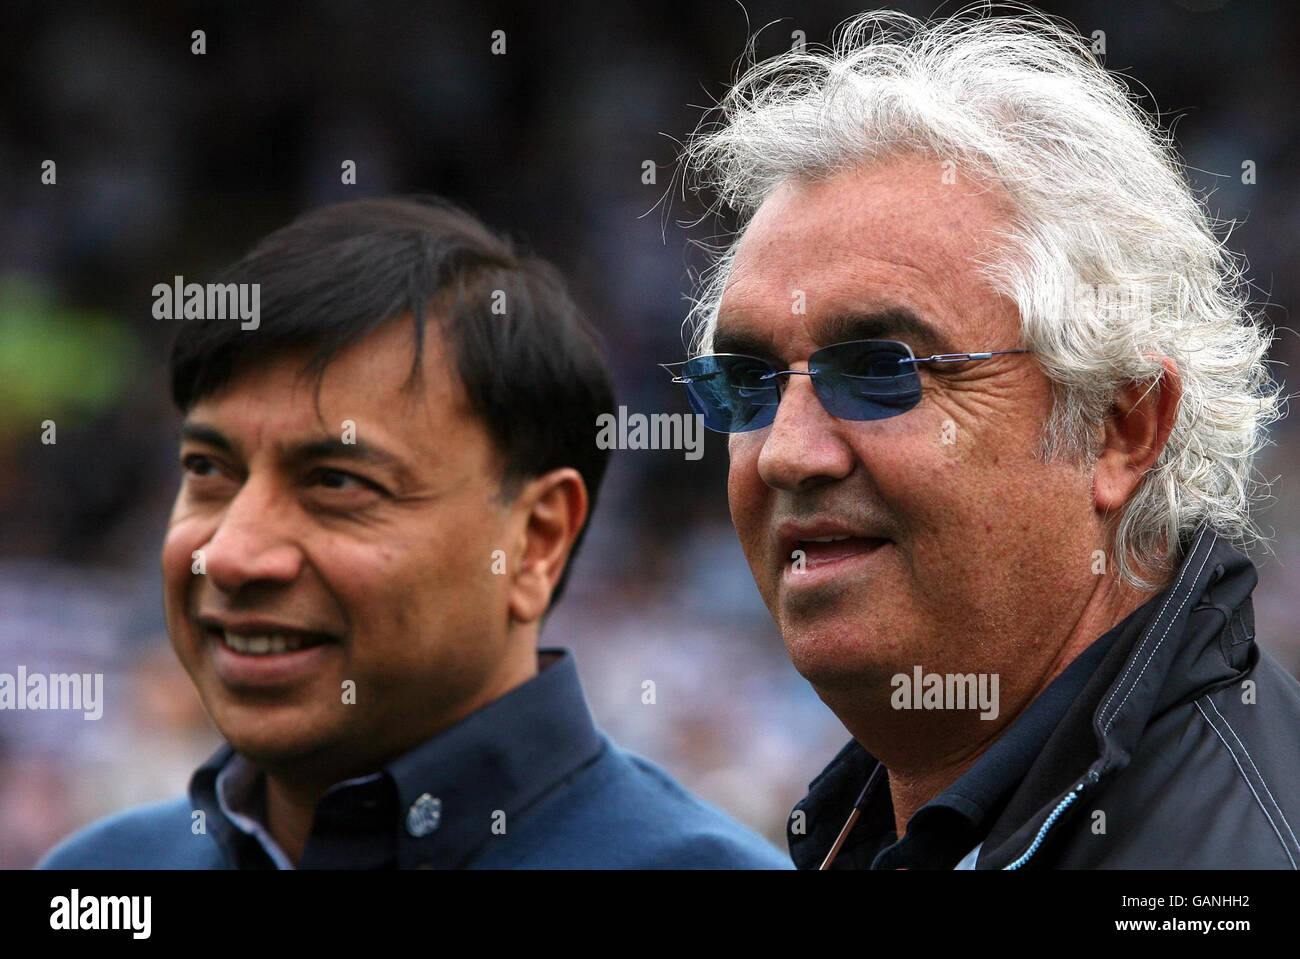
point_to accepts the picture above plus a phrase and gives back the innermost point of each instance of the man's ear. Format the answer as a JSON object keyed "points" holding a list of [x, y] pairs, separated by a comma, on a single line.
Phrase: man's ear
{"points": [[552, 508], [1136, 430]]}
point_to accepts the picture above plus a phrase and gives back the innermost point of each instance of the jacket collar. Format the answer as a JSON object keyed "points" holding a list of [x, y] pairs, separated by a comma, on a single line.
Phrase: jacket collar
{"points": [[1200, 638]]}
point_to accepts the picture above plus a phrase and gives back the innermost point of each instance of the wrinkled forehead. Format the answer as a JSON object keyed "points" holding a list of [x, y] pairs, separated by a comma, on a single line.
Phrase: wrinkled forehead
{"points": [[895, 250]]}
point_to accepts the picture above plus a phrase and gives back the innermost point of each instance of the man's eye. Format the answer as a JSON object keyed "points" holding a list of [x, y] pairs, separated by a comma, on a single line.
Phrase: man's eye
{"points": [[341, 480], [876, 367], [751, 378], [198, 464]]}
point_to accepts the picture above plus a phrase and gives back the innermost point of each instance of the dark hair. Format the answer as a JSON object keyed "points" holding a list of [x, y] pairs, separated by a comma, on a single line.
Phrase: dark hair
{"points": [[535, 375]]}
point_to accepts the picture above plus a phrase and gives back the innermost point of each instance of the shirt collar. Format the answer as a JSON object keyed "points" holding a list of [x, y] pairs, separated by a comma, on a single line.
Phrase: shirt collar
{"points": [[436, 805], [241, 798]]}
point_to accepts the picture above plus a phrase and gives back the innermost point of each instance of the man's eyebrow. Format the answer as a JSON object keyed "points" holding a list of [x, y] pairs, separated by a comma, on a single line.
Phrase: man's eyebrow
{"points": [[728, 340], [202, 433], [366, 454], [318, 449], [357, 451], [895, 323], [892, 323]]}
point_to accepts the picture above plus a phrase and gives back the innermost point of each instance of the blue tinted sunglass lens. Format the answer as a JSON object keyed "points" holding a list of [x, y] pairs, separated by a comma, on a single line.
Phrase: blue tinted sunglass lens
{"points": [[730, 392], [867, 380]]}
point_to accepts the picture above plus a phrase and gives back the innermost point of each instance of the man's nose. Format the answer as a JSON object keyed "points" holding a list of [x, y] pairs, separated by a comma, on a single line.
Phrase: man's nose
{"points": [[803, 446], [252, 542]]}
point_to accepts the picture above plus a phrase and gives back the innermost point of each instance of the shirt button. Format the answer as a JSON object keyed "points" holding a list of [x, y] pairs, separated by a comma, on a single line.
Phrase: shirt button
{"points": [[424, 816]]}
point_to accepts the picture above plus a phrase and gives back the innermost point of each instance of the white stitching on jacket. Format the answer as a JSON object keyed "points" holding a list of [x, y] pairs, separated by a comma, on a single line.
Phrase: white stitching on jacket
{"points": [[1163, 636], [1250, 759], [1233, 753]]}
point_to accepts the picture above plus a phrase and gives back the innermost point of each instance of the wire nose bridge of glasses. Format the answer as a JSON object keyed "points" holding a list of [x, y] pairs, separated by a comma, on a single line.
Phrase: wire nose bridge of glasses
{"points": [[775, 373]]}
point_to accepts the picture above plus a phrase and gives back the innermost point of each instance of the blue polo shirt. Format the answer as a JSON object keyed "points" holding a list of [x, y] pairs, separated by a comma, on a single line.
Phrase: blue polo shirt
{"points": [[527, 781]]}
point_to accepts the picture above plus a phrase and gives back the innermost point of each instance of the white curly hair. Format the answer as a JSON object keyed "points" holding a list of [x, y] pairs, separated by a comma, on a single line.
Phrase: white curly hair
{"points": [[1110, 257]]}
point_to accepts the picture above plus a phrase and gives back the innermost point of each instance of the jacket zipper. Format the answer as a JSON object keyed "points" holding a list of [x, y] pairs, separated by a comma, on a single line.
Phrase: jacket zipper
{"points": [[1063, 805]]}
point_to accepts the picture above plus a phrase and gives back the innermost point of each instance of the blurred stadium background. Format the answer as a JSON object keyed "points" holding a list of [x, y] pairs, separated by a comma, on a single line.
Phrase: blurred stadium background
{"points": [[174, 163]]}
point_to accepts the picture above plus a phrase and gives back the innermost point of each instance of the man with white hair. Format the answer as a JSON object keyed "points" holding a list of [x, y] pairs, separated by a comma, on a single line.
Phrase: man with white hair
{"points": [[994, 388]]}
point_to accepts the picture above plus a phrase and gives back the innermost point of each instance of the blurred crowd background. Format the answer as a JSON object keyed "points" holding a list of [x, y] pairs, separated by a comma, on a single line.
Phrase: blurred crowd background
{"points": [[173, 163]]}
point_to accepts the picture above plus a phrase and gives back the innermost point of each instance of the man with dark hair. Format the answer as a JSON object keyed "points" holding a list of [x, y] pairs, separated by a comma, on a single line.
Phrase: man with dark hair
{"points": [[375, 515]]}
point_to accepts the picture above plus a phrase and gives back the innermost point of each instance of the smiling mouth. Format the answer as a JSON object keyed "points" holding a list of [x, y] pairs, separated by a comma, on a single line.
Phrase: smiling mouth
{"points": [[265, 644]]}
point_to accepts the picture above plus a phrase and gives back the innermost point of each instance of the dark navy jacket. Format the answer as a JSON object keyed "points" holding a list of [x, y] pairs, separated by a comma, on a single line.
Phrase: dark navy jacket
{"points": [[527, 781]]}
